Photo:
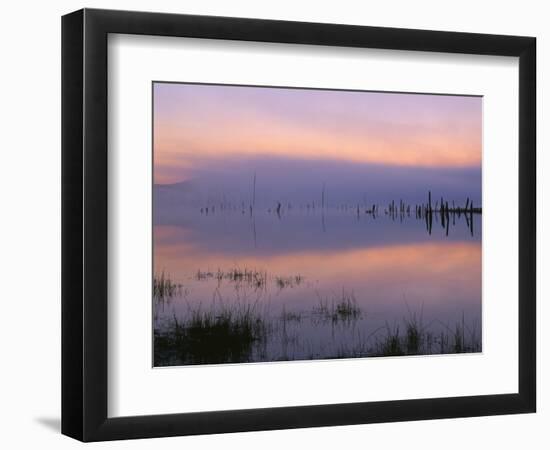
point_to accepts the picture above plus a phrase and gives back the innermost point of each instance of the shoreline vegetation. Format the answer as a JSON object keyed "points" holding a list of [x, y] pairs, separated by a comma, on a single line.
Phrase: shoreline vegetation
{"points": [[242, 332]]}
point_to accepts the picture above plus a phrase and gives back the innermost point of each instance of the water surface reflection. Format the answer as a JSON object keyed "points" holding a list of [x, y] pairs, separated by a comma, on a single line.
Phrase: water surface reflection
{"points": [[232, 286]]}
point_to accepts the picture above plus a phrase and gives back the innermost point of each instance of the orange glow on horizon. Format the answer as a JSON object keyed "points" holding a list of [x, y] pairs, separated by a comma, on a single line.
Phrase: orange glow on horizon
{"points": [[212, 123]]}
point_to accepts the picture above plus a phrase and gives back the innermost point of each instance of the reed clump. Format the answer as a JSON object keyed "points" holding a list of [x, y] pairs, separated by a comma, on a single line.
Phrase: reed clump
{"points": [[251, 277], [164, 287], [224, 334], [283, 282], [258, 279], [339, 308]]}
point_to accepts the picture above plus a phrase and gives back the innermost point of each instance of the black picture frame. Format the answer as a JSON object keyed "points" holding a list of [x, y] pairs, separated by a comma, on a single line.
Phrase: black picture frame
{"points": [[84, 224]]}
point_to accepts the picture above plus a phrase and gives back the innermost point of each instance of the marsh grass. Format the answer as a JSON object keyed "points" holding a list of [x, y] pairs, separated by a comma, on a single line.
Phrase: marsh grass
{"points": [[164, 287], [341, 308], [291, 281], [245, 331], [219, 334], [251, 277], [391, 345], [417, 340]]}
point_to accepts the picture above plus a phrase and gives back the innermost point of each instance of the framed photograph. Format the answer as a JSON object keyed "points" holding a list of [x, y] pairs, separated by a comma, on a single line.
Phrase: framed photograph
{"points": [[272, 224]]}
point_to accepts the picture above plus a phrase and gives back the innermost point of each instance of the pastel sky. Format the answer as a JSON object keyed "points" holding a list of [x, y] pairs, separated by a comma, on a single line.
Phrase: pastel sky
{"points": [[195, 123]]}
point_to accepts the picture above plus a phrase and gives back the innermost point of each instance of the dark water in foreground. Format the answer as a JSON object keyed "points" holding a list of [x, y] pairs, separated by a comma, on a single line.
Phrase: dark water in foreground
{"points": [[232, 286]]}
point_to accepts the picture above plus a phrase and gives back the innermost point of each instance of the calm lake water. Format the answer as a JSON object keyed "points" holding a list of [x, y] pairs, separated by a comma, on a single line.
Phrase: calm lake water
{"points": [[241, 286]]}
